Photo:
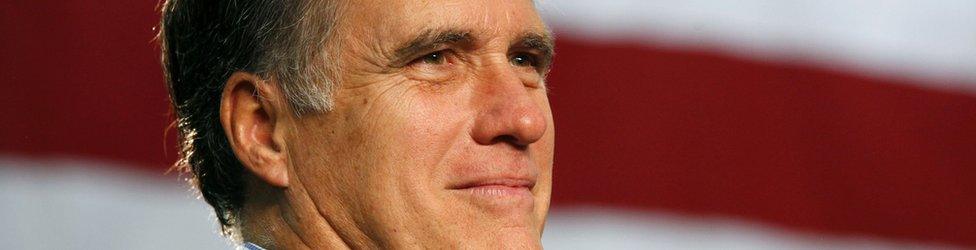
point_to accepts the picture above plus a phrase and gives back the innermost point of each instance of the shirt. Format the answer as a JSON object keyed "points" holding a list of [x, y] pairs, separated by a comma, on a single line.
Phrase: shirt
{"points": [[251, 246]]}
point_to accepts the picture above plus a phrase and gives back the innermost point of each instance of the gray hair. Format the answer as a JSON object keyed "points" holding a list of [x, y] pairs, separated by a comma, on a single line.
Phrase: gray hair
{"points": [[203, 43]]}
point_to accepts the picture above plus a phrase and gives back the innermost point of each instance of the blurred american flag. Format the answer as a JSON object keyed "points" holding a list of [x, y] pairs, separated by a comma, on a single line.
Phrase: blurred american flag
{"points": [[754, 124]]}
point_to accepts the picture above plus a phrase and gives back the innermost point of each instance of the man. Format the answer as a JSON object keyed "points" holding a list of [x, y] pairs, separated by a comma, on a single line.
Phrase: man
{"points": [[365, 124]]}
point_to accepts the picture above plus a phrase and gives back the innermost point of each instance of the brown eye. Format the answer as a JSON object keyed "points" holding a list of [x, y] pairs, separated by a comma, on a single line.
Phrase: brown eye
{"points": [[433, 58], [524, 60], [435, 67]]}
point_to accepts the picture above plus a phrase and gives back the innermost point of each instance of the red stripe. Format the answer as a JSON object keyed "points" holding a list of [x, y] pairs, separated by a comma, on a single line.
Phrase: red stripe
{"points": [[646, 128], [83, 79], [705, 134]]}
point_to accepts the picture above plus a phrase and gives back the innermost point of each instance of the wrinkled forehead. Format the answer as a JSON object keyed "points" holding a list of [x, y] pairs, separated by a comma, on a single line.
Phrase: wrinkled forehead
{"points": [[401, 19]]}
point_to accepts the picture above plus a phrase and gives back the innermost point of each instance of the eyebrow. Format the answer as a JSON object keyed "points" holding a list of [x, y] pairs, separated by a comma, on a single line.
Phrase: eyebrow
{"points": [[541, 42], [428, 40]]}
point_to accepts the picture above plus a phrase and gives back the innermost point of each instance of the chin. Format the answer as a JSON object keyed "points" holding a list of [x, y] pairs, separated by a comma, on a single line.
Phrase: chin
{"points": [[495, 219], [515, 238]]}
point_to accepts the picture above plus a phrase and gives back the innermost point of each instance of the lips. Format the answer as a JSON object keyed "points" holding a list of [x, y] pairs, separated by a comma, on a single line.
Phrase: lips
{"points": [[502, 188], [525, 183], [501, 196]]}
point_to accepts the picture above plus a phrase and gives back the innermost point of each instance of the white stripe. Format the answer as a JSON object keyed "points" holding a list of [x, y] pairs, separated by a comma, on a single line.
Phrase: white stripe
{"points": [[931, 40], [85, 204], [602, 228]]}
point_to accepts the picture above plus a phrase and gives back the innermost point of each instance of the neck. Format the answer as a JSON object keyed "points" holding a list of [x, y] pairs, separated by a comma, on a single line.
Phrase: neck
{"points": [[287, 219]]}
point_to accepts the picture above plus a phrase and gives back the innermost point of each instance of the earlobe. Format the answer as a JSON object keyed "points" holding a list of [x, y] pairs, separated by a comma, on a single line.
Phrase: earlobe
{"points": [[248, 116]]}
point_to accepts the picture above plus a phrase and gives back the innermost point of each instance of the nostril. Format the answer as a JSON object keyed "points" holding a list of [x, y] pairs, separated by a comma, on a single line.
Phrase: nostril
{"points": [[510, 139]]}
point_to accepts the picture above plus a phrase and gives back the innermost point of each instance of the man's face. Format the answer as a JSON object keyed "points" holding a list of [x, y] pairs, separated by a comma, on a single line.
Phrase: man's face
{"points": [[441, 132]]}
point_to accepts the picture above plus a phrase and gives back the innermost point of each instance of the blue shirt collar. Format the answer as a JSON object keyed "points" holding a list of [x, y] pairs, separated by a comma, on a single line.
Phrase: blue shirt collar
{"points": [[251, 246]]}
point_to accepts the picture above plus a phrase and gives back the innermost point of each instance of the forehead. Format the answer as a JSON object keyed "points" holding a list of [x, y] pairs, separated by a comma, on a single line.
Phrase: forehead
{"points": [[393, 19]]}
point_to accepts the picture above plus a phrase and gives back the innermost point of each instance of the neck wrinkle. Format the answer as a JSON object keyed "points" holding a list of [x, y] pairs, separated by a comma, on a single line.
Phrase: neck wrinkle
{"points": [[275, 220], [316, 228]]}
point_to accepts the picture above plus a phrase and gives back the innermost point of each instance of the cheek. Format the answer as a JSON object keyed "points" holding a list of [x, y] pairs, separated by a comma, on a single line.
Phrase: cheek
{"points": [[418, 132], [544, 148]]}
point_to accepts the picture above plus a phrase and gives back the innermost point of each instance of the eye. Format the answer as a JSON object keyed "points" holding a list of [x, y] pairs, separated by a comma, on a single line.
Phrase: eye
{"points": [[436, 67], [524, 60], [433, 58]]}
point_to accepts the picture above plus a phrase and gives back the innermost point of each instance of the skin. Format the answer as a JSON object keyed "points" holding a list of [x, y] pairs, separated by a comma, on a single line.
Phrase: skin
{"points": [[441, 135]]}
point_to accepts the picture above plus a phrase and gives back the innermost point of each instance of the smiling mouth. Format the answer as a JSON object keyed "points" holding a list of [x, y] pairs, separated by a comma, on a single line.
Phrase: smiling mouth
{"points": [[498, 183], [503, 192]]}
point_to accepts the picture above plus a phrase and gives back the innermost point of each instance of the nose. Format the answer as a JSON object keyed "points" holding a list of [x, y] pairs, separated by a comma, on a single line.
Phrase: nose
{"points": [[507, 111]]}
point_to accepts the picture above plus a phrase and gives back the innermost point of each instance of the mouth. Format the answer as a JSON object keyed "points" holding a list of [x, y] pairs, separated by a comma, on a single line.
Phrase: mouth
{"points": [[514, 183], [498, 192]]}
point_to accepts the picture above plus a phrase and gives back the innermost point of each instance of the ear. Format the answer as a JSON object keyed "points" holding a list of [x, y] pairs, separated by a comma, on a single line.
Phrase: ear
{"points": [[248, 115]]}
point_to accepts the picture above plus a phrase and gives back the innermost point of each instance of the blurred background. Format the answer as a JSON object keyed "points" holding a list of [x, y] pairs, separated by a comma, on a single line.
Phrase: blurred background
{"points": [[752, 124]]}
